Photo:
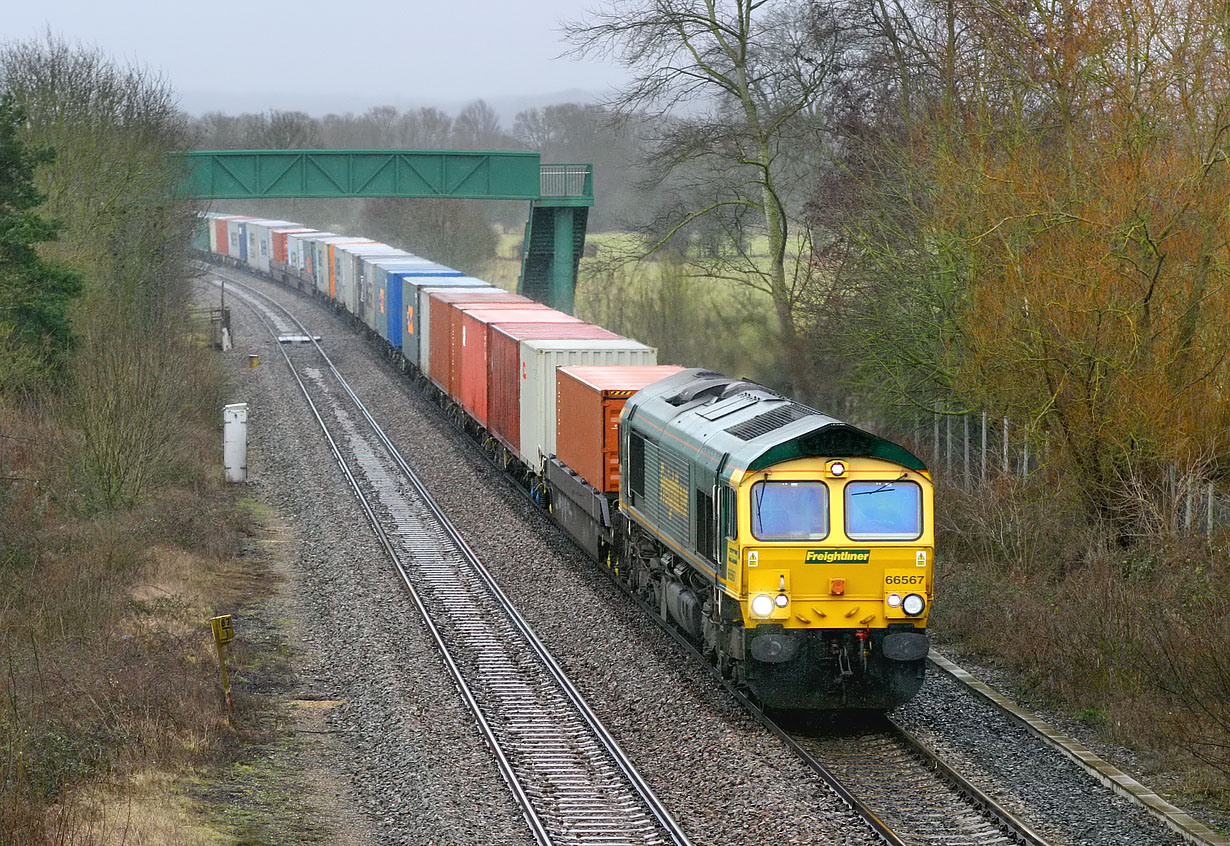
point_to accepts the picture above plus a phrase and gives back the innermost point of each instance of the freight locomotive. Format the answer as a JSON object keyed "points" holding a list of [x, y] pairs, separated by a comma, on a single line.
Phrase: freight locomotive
{"points": [[795, 550]]}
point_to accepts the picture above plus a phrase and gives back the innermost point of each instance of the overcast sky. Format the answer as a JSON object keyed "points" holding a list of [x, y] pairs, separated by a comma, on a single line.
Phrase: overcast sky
{"points": [[332, 56]]}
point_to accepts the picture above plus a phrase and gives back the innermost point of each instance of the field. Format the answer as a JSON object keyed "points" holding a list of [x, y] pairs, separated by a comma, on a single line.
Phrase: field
{"points": [[692, 319]]}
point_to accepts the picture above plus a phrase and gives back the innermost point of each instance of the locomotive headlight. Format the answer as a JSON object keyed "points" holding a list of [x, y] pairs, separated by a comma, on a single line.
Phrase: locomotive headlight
{"points": [[893, 600], [837, 468], [913, 604], [781, 600], [762, 605]]}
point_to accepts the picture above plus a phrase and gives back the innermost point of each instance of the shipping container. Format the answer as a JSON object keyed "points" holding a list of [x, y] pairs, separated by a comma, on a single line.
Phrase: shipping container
{"points": [[260, 241], [323, 267], [456, 327], [353, 291], [299, 250], [539, 360], [588, 401], [504, 369], [470, 357], [376, 268], [242, 237], [391, 281], [437, 344], [281, 248], [388, 306], [220, 239], [414, 316], [234, 240]]}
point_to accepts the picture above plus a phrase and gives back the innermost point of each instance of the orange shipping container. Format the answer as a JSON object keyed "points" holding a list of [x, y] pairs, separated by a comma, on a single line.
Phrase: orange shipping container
{"points": [[223, 241], [589, 400]]}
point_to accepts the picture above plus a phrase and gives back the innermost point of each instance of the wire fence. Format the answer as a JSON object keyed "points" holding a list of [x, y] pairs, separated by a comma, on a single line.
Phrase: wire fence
{"points": [[971, 450]]}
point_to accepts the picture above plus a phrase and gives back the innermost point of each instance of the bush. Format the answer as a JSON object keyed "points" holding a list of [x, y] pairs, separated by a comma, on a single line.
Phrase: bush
{"points": [[1134, 638]]}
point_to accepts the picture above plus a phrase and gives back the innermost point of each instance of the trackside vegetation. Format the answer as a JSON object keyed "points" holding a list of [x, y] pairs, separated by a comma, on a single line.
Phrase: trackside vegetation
{"points": [[115, 533]]}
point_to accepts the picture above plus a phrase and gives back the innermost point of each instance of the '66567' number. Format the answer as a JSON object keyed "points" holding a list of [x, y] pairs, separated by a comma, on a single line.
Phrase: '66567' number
{"points": [[903, 580]]}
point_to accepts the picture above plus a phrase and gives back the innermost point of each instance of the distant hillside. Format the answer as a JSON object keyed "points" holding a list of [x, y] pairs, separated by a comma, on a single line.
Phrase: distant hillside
{"points": [[319, 104]]}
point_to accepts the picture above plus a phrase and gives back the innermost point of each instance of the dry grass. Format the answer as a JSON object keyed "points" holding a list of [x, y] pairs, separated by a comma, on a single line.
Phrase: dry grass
{"points": [[107, 672], [147, 809]]}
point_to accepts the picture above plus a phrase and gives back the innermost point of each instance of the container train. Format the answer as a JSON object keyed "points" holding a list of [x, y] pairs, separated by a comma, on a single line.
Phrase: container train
{"points": [[796, 551]]}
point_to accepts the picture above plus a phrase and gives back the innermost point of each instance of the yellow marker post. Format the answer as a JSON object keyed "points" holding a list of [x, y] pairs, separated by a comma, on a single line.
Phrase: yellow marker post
{"points": [[224, 633]]}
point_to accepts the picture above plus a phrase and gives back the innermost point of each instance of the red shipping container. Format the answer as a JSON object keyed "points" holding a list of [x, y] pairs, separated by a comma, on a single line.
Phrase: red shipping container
{"points": [[470, 357], [588, 403], [279, 242], [504, 365], [440, 330]]}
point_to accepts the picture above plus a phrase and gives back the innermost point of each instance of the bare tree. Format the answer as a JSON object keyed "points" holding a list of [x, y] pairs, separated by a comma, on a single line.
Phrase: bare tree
{"points": [[747, 82], [290, 131], [428, 128], [478, 127]]}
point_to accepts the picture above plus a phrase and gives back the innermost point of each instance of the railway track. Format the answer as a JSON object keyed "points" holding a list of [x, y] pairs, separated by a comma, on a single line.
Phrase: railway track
{"points": [[903, 789], [567, 774], [901, 786], [906, 783]]}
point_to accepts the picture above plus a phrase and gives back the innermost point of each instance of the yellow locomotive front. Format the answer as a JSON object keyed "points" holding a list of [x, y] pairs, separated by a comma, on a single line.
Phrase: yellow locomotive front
{"points": [[831, 560], [796, 549]]}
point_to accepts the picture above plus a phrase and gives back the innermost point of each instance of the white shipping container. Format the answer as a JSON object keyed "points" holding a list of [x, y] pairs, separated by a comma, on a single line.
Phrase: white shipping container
{"points": [[233, 245], [353, 288], [297, 247], [211, 219], [323, 264], [260, 241], [539, 361]]}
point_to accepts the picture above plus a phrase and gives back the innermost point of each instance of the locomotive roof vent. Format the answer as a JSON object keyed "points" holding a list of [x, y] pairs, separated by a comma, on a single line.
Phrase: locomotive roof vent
{"points": [[774, 418], [750, 388]]}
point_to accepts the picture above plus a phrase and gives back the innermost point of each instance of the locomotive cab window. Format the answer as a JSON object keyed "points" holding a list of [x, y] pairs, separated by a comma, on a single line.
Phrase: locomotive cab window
{"points": [[883, 510], [790, 511], [706, 524]]}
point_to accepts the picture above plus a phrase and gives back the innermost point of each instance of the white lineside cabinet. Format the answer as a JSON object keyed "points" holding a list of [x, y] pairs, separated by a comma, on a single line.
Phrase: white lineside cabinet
{"points": [[235, 441]]}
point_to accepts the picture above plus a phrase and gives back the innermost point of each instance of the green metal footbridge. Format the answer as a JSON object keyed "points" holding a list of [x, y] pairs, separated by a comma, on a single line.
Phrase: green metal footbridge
{"points": [[560, 195]]}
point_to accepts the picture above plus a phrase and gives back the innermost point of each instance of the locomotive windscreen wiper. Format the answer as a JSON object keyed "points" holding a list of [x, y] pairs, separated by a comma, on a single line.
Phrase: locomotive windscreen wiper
{"points": [[887, 486]]}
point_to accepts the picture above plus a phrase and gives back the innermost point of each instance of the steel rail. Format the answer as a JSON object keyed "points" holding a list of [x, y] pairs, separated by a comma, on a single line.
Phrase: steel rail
{"points": [[657, 809], [537, 828]]}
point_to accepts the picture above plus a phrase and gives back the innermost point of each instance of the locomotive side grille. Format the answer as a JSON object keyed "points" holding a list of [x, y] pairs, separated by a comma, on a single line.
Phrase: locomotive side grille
{"points": [[770, 420]]}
